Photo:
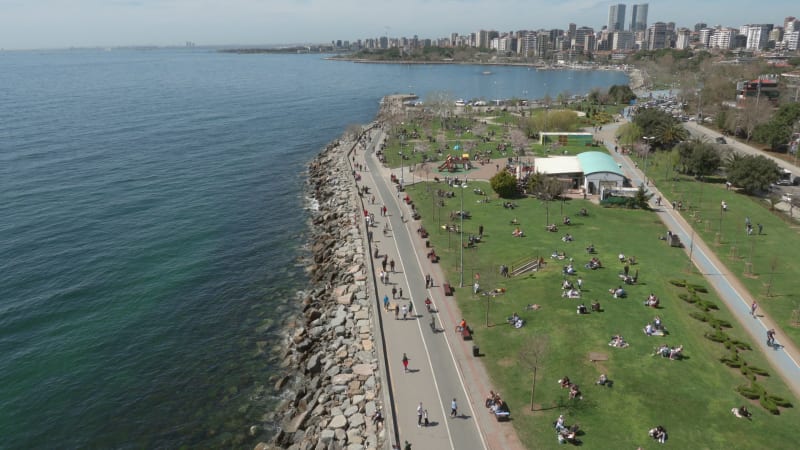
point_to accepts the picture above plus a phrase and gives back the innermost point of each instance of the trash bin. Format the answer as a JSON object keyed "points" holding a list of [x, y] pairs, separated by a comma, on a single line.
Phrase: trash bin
{"points": [[427, 244], [476, 351]]}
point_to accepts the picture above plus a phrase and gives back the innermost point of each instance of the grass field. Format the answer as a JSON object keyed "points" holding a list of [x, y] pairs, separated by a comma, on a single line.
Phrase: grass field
{"points": [[691, 398], [766, 264]]}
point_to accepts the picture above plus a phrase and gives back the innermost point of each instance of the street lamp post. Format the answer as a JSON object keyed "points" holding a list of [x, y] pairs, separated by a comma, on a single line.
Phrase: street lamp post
{"points": [[461, 233], [648, 140], [401, 168]]}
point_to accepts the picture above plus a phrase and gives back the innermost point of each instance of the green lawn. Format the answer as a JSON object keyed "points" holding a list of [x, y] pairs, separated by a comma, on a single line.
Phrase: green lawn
{"points": [[772, 255], [691, 398]]}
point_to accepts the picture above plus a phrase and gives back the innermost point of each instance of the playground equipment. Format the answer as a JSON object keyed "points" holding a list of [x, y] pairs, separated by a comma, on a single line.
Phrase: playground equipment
{"points": [[454, 163]]}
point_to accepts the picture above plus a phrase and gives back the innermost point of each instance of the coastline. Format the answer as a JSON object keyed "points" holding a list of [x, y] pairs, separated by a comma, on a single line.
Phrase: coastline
{"points": [[333, 380]]}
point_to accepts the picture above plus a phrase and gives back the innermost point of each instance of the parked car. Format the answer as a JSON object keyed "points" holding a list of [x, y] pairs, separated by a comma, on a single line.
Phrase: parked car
{"points": [[720, 140]]}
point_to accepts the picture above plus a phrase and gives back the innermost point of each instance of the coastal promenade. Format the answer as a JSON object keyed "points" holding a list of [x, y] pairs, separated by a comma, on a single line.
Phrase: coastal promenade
{"points": [[441, 365], [784, 357]]}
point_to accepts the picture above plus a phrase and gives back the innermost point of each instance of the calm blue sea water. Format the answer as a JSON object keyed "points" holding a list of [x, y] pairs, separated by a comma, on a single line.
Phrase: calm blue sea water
{"points": [[151, 217]]}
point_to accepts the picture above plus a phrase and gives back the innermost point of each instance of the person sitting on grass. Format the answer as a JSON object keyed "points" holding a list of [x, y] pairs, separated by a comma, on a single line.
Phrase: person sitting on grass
{"points": [[567, 220], [648, 329], [621, 257], [571, 293], [575, 392], [676, 353], [602, 380], [596, 306], [741, 412], [569, 269], [559, 424], [590, 249], [564, 382], [567, 238], [513, 319], [618, 341], [618, 292], [657, 323], [658, 433], [566, 284], [662, 350], [582, 309]]}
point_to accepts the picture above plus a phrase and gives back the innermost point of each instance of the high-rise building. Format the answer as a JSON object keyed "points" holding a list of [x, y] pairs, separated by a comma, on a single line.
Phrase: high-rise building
{"points": [[705, 36], [757, 36], [616, 18], [657, 36], [723, 38], [699, 26], [622, 40], [639, 17], [684, 35]]}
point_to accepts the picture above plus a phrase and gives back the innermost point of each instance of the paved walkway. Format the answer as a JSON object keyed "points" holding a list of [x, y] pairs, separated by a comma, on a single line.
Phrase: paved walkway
{"points": [[441, 366], [785, 356]]}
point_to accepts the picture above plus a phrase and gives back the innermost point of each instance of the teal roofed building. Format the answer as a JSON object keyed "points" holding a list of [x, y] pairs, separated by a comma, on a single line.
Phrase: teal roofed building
{"points": [[600, 172]]}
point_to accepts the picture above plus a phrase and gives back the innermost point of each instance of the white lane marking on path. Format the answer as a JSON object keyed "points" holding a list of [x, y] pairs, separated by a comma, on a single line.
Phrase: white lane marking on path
{"points": [[449, 347], [424, 344]]}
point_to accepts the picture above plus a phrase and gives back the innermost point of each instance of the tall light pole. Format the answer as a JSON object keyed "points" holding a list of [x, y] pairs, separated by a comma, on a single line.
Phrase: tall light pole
{"points": [[648, 140], [461, 233]]}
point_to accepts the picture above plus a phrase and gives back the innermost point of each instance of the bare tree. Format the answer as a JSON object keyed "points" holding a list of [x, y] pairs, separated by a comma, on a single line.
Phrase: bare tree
{"points": [[533, 355], [442, 105]]}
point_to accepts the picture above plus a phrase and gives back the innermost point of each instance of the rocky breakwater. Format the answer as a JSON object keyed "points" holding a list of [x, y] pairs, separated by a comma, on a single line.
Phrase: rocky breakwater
{"points": [[332, 368]]}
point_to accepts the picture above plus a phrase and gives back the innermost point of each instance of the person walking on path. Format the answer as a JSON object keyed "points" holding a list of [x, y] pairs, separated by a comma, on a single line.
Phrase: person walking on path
{"points": [[386, 302], [396, 312], [428, 281], [400, 293], [405, 362], [771, 337], [453, 408], [420, 409], [410, 309], [405, 312], [425, 417], [391, 265], [753, 309], [394, 292], [760, 228], [407, 446]]}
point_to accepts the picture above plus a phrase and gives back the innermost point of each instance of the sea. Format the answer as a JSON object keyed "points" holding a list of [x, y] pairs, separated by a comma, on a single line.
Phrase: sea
{"points": [[153, 221]]}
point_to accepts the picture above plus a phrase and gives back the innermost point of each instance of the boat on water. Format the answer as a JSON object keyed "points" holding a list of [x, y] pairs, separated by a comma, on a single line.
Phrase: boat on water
{"points": [[486, 72]]}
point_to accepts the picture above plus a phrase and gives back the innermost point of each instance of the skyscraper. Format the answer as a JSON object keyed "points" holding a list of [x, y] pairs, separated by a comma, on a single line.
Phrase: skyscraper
{"points": [[616, 18], [639, 17]]}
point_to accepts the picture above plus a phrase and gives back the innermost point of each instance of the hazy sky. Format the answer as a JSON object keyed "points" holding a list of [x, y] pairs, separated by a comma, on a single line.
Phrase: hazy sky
{"points": [[66, 23]]}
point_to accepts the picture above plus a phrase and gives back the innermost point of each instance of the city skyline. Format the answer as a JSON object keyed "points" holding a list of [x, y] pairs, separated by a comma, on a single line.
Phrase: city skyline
{"points": [[92, 23]]}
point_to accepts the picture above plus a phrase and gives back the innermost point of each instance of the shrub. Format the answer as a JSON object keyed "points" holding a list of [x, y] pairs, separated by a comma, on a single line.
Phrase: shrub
{"points": [[741, 345], [748, 392], [769, 405], [718, 336], [758, 371], [780, 401], [679, 283], [697, 288], [702, 317], [719, 323]]}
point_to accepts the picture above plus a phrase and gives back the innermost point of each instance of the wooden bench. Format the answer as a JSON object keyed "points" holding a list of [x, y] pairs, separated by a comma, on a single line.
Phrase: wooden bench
{"points": [[448, 290], [466, 334]]}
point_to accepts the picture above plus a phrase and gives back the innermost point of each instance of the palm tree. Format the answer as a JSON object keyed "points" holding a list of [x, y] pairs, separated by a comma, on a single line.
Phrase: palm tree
{"points": [[670, 134]]}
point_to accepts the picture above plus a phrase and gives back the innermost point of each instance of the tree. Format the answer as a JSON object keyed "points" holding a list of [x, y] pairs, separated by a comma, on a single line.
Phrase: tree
{"points": [[772, 133], [441, 104], [533, 355], [640, 199], [504, 184], [650, 120], [629, 134], [621, 94], [753, 114], [752, 173], [704, 160], [670, 133]]}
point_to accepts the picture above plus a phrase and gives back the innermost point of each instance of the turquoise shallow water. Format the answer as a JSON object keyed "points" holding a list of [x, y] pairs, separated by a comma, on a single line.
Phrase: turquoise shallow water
{"points": [[150, 224]]}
